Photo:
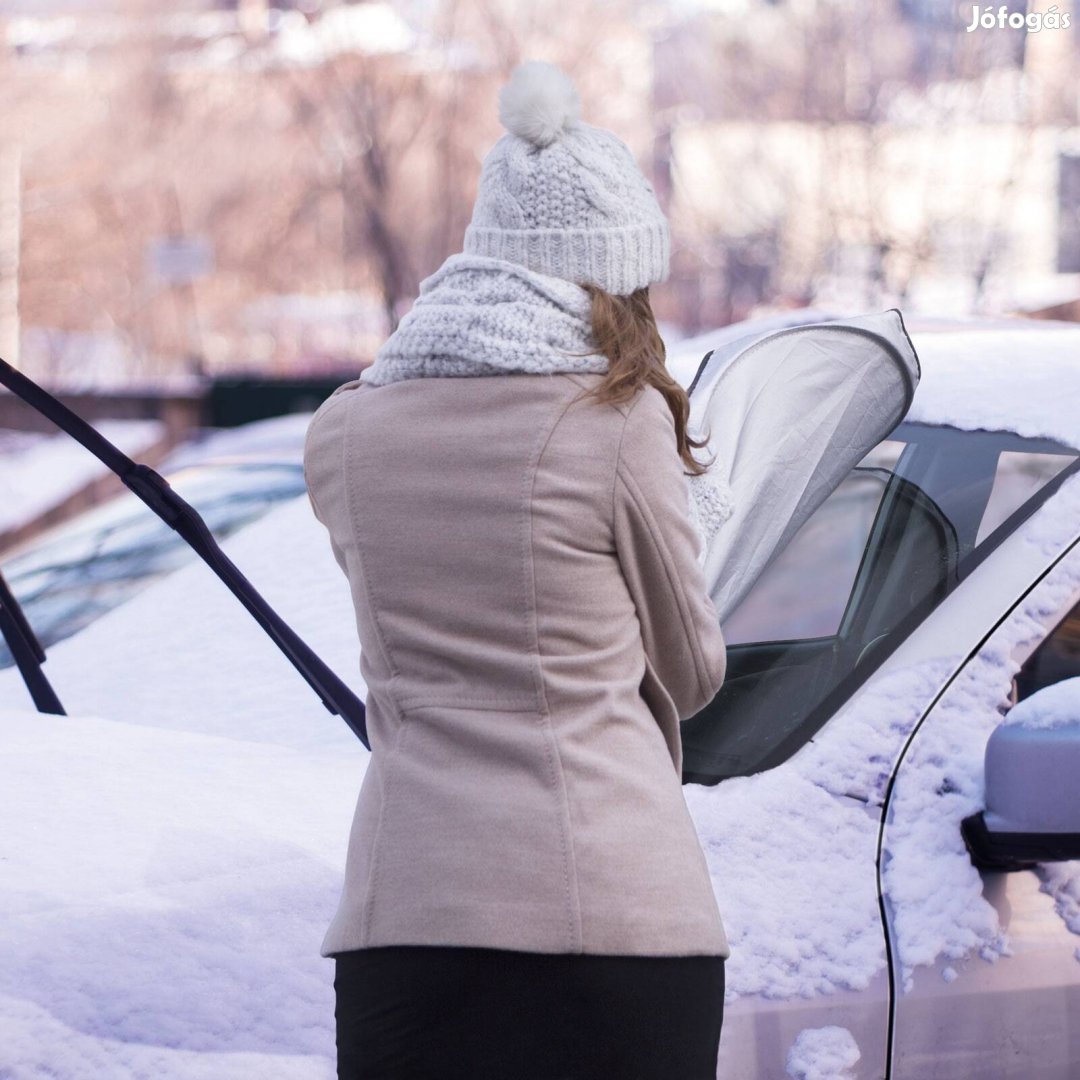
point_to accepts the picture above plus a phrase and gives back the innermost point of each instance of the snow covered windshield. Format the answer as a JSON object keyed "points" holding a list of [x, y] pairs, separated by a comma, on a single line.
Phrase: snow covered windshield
{"points": [[910, 522], [74, 574]]}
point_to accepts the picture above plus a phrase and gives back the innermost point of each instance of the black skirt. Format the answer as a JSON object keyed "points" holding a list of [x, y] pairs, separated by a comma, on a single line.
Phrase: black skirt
{"points": [[455, 1013]]}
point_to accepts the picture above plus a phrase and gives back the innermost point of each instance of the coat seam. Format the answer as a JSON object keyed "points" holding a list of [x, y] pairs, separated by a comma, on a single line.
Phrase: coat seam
{"points": [[618, 452], [554, 758], [376, 863], [656, 536], [321, 413], [347, 450], [615, 469], [481, 704]]}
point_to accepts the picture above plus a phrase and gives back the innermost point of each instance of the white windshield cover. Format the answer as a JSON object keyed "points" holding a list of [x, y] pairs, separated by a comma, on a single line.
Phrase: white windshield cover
{"points": [[791, 412]]}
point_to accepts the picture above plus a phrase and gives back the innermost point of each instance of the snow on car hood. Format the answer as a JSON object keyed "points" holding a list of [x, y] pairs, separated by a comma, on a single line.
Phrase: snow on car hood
{"points": [[791, 850], [163, 898], [185, 654], [174, 849]]}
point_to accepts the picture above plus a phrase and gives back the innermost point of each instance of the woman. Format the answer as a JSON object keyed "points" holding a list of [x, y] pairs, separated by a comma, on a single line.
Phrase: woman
{"points": [[504, 488]]}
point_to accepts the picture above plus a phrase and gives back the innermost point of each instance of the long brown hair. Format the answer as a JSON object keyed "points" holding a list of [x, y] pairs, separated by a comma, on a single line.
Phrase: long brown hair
{"points": [[624, 330]]}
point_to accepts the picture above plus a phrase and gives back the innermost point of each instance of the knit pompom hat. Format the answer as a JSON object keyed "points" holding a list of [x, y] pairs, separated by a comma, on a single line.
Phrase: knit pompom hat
{"points": [[562, 197]]}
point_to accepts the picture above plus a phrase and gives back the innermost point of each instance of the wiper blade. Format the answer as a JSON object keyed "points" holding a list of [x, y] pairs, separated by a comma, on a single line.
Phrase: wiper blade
{"points": [[155, 491], [27, 651]]}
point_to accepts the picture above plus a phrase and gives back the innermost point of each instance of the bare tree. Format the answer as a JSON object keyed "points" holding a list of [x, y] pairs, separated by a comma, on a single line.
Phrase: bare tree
{"points": [[832, 138]]}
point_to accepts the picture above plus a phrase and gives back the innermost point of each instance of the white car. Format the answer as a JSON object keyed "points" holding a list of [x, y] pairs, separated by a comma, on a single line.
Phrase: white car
{"points": [[196, 801], [936, 589]]}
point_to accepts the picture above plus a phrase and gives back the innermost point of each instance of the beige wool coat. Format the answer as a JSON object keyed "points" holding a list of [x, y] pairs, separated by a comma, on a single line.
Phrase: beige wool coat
{"points": [[533, 625]]}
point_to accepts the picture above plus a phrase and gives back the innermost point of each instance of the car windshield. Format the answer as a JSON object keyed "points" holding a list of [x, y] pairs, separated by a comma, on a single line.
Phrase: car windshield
{"points": [[909, 523], [72, 575]]}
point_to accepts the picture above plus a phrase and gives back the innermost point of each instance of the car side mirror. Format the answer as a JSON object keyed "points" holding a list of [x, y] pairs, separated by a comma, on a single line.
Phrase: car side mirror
{"points": [[1032, 810]]}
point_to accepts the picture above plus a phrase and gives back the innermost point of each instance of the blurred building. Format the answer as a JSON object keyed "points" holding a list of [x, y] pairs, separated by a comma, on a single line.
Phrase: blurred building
{"points": [[862, 155], [215, 185]]}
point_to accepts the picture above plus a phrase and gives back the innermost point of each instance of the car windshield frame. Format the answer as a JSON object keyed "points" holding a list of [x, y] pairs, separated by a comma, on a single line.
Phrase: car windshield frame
{"points": [[914, 434]]}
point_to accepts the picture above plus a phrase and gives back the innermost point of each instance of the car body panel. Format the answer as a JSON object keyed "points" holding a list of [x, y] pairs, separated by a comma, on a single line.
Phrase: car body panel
{"points": [[763, 1021], [759, 1035], [986, 964]]}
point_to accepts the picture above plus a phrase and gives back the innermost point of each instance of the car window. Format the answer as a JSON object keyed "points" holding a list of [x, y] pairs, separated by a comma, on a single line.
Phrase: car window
{"points": [[912, 520], [1019, 475], [70, 576], [1056, 658], [833, 540]]}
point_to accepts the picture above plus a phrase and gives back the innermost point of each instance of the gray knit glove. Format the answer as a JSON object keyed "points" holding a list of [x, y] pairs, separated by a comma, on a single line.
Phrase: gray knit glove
{"points": [[711, 504]]}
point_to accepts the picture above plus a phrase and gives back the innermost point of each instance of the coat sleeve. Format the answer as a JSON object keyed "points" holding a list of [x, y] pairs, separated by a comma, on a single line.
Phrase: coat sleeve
{"points": [[322, 466], [658, 549]]}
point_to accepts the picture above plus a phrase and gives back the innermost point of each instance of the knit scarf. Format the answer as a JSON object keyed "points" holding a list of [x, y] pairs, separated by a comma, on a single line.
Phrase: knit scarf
{"points": [[479, 315]]}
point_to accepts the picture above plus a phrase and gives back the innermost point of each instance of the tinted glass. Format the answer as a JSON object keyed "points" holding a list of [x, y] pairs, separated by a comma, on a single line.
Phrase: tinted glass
{"points": [[1056, 659], [905, 528], [80, 570], [832, 541]]}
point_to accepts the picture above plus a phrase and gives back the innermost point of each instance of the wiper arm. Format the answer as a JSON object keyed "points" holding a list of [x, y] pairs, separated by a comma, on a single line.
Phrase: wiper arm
{"points": [[155, 491], [27, 651]]}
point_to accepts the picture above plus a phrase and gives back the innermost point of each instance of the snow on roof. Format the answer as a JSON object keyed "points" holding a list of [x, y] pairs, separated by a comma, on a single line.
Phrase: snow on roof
{"points": [[1022, 380], [1013, 375], [1043, 291]]}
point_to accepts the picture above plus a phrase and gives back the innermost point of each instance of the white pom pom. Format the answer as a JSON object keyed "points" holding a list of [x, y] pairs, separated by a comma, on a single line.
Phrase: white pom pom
{"points": [[538, 102]]}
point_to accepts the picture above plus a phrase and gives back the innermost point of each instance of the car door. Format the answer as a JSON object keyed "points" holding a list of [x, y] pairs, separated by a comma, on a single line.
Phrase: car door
{"points": [[835, 655], [985, 965]]}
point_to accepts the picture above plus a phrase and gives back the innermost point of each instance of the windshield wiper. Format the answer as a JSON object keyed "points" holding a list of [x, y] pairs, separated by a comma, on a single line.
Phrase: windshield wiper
{"points": [[27, 651], [154, 490]]}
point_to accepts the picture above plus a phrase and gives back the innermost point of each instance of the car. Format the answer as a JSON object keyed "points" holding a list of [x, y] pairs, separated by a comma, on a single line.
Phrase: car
{"points": [[934, 594], [936, 588], [71, 575]]}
